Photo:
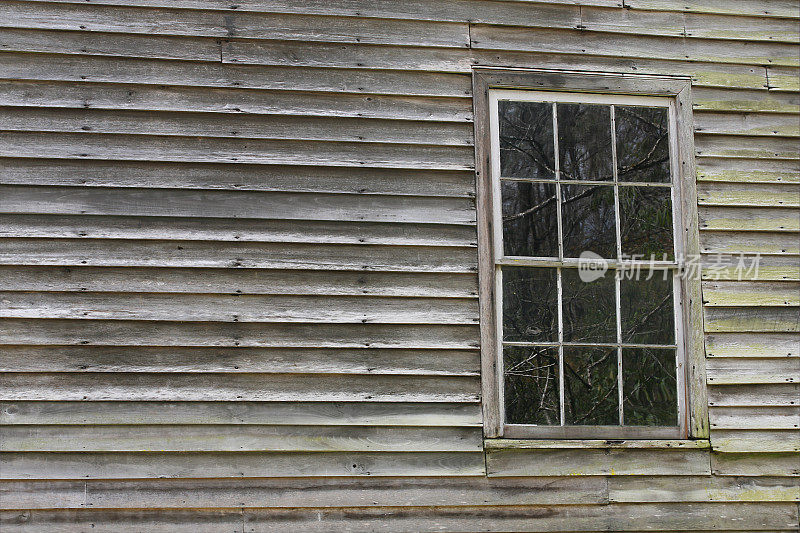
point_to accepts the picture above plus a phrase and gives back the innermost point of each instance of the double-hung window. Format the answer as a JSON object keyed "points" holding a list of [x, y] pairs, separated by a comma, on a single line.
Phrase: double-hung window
{"points": [[583, 204]]}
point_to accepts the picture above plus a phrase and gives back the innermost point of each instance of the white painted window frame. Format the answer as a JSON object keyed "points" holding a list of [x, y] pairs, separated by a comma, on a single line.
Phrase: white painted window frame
{"points": [[493, 85]]}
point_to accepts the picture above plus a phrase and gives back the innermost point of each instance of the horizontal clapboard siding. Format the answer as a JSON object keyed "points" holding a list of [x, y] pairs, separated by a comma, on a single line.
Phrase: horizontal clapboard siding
{"points": [[238, 267]]}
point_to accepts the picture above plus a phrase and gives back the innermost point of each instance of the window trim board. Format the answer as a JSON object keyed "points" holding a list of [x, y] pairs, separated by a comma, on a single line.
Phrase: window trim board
{"points": [[677, 88]]}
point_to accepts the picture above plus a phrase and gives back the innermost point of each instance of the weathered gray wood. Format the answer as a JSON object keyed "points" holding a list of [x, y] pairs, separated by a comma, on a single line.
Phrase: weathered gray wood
{"points": [[735, 242], [233, 24], [238, 308], [242, 177], [747, 171], [749, 194], [755, 464], [741, 319], [235, 204], [198, 254], [755, 417], [756, 8], [237, 360], [237, 438], [135, 333], [234, 151], [749, 219], [783, 79], [749, 28], [622, 517], [752, 345], [27, 66], [240, 412], [241, 126], [299, 492], [724, 371], [135, 386], [736, 266], [596, 462], [736, 146], [755, 441], [546, 40], [773, 124], [133, 96], [743, 293], [758, 395], [742, 100], [682, 489], [237, 281], [239, 465]]}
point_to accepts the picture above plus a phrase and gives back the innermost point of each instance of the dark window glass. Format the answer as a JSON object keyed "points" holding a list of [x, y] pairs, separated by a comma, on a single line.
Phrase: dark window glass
{"points": [[530, 304], [531, 385], [649, 387], [647, 314], [642, 144], [530, 226], [589, 308], [590, 386], [584, 141], [526, 140], [646, 222], [588, 220]]}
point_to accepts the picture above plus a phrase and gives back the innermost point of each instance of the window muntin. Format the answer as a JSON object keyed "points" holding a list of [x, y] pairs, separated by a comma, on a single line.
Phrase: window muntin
{"points": [[575, 173]]}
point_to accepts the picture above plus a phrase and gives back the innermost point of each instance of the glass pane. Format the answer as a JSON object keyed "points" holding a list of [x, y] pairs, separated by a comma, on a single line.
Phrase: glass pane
{"points": [[590, 386], [642, 144], [530, 304], [526, 140], [590, 313], [529, 219], [647, 314], [649, 387], [531, 385], [588, 218], [646, 220], [584, 141]]}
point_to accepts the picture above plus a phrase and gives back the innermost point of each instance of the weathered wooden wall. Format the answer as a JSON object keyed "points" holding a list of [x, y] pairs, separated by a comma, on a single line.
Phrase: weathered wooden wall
{"points": [[237, 264]]}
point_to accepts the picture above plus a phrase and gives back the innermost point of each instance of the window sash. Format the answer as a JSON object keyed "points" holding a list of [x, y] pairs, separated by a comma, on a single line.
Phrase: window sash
{"points": [[501, 260]]}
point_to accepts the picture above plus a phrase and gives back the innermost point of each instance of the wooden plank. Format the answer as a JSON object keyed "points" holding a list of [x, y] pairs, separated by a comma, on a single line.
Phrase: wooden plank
{"points": [[755, 8], [633, 489], [235, 387], [240, 412], [122, 465], [237, 360], [742, 319], [755, 464], [735, 146], [235, 230], [749, 194], [749, 28], [299, 492], [755, 441], [734, 242], [743, 100], [748, 171], [198, 254], [142, 333], [136, 202], [755, 418], [139, 97], [784, 395], [243, 177], [741, 267], [750, 345], [238, 308], [238, 438], [233, 281], [163, 21], [596, 462], [755, 124], [782, 79], [489, 37], [728, 293], [738, 370], [631, 517], [240, 126], [72, 68], [230, 150], [749, 219]]}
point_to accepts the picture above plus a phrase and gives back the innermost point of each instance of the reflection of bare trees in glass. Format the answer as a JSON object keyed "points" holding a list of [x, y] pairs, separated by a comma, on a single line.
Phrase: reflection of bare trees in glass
{"points": [[642, 144], [531, 385]]}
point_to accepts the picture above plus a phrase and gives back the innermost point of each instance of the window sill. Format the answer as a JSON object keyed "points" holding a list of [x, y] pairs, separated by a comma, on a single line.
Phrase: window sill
{"points": [[537, 444]]}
